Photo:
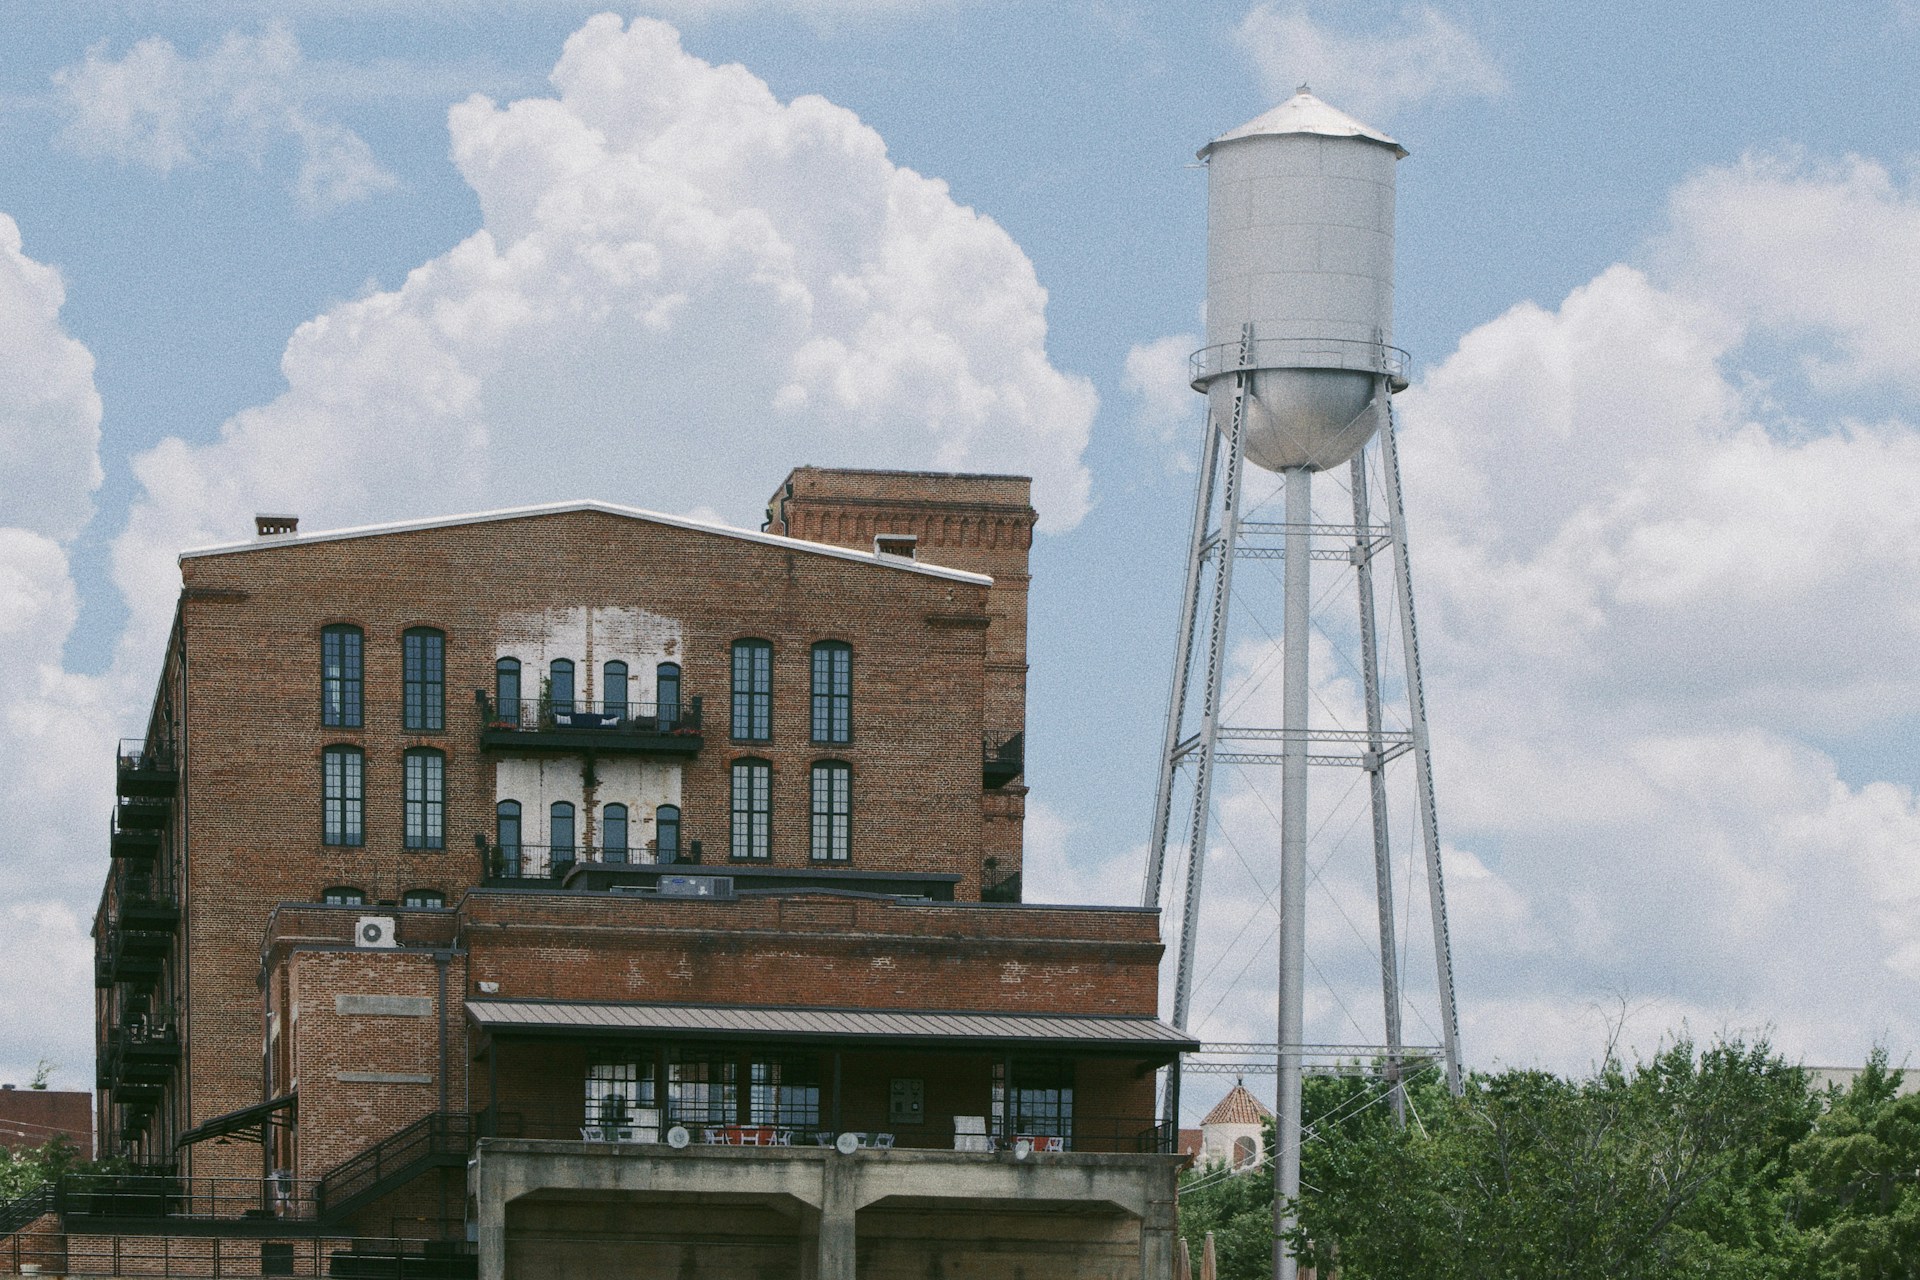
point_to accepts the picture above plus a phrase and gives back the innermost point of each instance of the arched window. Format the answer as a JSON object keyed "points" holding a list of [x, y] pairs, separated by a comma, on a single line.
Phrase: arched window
{"points": [[506, 827], [425, 799], [752, 809], [666, 694], [666, 828], [1245, 1152], [344, 895], [613, 690], [560, 686], [832, 692], [613, 833], [832, 811], [560, 843], [341, 676], [506, 691], [423, 899], [752, 691], [424, 680], [343, 796]]}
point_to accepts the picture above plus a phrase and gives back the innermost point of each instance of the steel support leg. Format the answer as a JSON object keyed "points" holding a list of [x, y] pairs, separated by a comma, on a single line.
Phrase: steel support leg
{"points": [[1295, 707]]}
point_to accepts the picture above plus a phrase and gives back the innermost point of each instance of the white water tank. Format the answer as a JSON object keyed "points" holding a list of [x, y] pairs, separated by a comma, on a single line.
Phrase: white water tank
{"points": [[1300, 246]]}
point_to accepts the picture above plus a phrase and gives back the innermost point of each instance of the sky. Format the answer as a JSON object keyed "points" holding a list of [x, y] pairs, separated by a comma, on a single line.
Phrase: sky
{"points": [[365, 260]]}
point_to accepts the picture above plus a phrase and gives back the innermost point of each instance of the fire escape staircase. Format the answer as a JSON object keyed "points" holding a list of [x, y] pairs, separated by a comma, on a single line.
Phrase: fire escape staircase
{"points": [[442, 1140]]}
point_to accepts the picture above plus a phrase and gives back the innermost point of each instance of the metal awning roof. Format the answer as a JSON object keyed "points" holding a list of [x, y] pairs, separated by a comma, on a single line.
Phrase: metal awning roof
{"points": [[249, 1124], [894, 1026]]}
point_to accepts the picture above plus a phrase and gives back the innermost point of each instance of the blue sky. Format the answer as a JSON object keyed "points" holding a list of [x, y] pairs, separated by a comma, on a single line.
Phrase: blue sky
{"points": [[1653, 264]]}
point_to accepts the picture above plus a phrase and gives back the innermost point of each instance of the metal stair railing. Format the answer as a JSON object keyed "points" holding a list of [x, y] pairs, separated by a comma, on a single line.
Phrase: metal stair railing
{"points": [[19, 1211], [440, 1139]]}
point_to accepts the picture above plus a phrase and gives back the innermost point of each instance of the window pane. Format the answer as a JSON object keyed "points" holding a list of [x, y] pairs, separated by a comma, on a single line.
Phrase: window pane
{"points": [[344, 896], [616, 1089], [666, 693], [342, 796], [752, 690], [341, 680], [425, 679], [506, 690], [752, 809], [560, 686], [560, 832], [832, 811], [1042, 1104], [613, 832], [507, 836], [613, 689], [832, 692], [785, 1092], [666, 825], [702, 1089], [419, 898], [425, 800]]}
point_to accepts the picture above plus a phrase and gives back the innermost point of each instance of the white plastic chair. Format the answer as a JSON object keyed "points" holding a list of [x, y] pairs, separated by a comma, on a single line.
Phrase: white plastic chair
{"points": [[883, 1142]]}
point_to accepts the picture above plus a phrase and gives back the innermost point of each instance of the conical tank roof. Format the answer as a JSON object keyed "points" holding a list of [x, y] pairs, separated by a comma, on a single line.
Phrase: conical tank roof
{"points": [[1304, 113]]}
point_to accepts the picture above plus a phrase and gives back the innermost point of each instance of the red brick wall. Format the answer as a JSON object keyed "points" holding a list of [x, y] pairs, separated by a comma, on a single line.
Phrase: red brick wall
{"points": [[32, 1118]]}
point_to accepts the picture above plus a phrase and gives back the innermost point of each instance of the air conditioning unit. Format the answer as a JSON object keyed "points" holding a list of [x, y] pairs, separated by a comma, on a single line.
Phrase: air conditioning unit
{"points": [[696, 886], [375, 931]]}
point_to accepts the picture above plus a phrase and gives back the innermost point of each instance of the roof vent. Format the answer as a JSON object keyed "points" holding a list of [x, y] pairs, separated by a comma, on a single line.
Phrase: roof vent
{"points": [[276, 526], [895, 544]]}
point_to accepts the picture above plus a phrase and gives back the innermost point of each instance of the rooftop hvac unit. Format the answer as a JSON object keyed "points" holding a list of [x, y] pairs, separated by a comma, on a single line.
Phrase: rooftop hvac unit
{"points": [[696, 886], [375, 931]]}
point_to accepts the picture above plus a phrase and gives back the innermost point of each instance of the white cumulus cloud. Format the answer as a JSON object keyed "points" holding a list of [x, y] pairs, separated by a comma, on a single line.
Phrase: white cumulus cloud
{"points": [[242, 97], [1416, 55], [55, 727], [682, 287]]}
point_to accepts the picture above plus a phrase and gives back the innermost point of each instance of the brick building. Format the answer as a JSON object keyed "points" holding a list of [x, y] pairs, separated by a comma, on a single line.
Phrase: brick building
{"points": [[668, 872], [34, 1117]]}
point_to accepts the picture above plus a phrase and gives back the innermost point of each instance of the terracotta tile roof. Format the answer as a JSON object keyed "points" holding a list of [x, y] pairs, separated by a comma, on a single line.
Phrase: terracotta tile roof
{"points": [[1238, 1107]]}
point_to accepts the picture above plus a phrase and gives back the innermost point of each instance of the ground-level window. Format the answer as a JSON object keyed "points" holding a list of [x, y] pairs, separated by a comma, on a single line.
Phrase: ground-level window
{"points": [[617, 1088], [703, 1088], [832, 811], [342, 895], [423, 899], [1042, 1098], [752, 827], [784, 1092]]}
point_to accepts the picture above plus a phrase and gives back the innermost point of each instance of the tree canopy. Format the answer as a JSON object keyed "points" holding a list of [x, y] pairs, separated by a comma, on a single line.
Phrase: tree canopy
{"points": [[1702, 1163]]}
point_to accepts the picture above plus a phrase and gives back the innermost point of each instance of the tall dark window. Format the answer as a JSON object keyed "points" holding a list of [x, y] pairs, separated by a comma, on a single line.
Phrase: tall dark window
{"points": [[613, 833], [424, 672], [426, 799], [1042, 1101], [832, 692], [506, 827], [341, 676], [752, 690], [560, 686], [666, 693], [752, 809], [560, 834], [616, 1089], [343, 796], [702, 1088], [832, 811], [784, 1092], [666, 829], [506, 690], [613, 689]]}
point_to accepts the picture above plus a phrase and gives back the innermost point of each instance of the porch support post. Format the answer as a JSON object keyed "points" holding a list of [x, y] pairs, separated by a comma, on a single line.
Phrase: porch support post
{"points": [[839, 1206]]}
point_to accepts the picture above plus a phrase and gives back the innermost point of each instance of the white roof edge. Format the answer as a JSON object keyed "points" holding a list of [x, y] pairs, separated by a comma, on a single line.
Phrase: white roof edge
{"points": [[605, 508], [1304, 113]]}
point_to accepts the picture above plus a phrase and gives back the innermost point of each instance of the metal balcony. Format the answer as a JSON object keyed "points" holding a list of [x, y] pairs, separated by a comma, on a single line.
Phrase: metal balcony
{"points": [[144, 814], [572, 725], [548, 865], [131, 842], [1003, 757], [147, 770]]}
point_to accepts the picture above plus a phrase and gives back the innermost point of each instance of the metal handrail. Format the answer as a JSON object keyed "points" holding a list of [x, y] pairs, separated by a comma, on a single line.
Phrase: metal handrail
{"points": [[441, 1134], [136, 754], [211, 1257], [633, 715], [1353, 354], [553, 863]]}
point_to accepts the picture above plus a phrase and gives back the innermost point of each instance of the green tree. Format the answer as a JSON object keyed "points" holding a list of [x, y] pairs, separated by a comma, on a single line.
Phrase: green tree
{"points": [[1856, 1188]]}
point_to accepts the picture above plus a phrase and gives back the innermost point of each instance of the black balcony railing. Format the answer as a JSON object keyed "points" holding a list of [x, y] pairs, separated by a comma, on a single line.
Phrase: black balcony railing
{"points": [[212, 1257], [122, 1195], [551, 864], [569, 724], [136, 843], [147, 769], [1003, 757]]}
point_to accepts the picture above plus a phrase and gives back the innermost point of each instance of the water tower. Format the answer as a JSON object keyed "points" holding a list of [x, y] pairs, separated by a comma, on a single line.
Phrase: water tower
{"points": [[1299, 371]]}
